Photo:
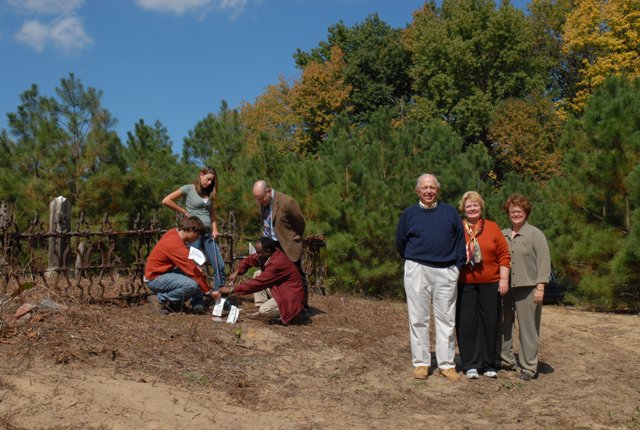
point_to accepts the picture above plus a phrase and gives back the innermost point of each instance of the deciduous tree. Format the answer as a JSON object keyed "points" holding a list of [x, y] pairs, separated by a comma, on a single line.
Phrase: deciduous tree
{"points": [[525, 136], [605, 36], [467, 56], [376, 65]]}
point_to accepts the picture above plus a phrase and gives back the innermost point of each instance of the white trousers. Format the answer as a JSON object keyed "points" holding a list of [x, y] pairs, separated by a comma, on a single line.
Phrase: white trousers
{"points": [[423, 286]]}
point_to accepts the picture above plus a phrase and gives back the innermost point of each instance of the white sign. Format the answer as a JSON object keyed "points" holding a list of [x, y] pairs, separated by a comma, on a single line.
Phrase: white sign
{"points": [[218, 307], [233, 315], [196, 255]]}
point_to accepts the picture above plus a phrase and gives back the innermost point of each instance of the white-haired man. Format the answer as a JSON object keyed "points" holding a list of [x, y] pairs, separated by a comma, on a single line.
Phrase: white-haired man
{"points": [[431, 240]]}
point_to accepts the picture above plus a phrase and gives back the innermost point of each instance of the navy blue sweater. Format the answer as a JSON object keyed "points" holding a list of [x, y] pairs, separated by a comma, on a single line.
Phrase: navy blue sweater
{"points": [[433, 237]]}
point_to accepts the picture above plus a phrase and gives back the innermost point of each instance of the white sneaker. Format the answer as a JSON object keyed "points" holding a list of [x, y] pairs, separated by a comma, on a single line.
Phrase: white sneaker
{"points": [[491, 374], [473, 374]]}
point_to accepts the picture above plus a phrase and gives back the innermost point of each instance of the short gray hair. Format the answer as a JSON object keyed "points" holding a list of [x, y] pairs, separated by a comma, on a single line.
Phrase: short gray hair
{"points": [[424, 175]]}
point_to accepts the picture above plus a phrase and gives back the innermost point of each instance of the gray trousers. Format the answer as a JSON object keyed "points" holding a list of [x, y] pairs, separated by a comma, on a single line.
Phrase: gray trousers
{"points": [[518, 302]]}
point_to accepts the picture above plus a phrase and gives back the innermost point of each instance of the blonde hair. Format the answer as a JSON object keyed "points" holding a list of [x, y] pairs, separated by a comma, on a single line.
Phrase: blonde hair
{"points": [[471, 195]]}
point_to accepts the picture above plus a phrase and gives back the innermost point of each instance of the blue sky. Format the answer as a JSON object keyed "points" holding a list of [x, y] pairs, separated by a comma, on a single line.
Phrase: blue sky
{"points": [[168, 60]]}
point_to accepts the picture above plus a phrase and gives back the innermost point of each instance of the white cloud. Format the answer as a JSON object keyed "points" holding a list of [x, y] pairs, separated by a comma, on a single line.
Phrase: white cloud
{"points": [[179, 7], [66, 34], [235, 6], [51, 7], [175, 6], [34, 34]]}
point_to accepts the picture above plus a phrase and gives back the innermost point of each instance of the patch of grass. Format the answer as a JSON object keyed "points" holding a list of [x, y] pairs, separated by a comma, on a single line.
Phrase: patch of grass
{"points": [[197, 378]]}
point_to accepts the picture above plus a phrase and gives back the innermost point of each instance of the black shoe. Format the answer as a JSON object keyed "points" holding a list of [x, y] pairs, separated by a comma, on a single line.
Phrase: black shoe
{"points": [[198, 309], [173, 307]]}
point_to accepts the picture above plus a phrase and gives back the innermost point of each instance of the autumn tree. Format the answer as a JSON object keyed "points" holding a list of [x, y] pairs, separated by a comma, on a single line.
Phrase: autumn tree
{"points": [[525, 136], [271, 117], [318, 97], [604, 36]]}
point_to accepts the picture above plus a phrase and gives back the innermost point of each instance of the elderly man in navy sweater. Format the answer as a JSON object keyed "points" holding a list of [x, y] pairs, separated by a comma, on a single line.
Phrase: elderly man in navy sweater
{"points": [[431, 240]]}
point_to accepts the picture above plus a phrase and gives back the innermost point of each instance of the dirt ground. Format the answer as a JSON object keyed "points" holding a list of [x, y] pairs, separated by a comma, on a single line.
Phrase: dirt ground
{"points": [[118, 366]]}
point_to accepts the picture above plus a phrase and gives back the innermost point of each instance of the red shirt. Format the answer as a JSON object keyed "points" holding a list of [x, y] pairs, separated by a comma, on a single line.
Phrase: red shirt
{"points": [[171, 252], [282, 276], [495, 253]]}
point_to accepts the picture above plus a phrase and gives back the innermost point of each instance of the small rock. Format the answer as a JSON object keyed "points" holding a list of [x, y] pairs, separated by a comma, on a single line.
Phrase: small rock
{"points": [[49, 304], [23, 310], [23, 319]]}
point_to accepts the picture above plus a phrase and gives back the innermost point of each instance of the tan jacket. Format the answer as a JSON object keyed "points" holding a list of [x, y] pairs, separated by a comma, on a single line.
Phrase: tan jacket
{"points": [[288, 224]]}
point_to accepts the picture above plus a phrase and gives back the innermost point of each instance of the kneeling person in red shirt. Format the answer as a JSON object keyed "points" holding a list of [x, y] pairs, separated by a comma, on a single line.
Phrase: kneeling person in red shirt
{"points": [[169, 271], [280, 277]]}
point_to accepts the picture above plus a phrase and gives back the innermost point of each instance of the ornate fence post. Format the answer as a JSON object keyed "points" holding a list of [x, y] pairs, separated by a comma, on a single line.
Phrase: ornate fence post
{"points": [[59, 224]]}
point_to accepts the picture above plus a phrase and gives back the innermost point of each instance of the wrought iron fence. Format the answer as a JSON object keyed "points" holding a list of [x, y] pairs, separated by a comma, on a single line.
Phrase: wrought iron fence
{"points": [[98, 263]]}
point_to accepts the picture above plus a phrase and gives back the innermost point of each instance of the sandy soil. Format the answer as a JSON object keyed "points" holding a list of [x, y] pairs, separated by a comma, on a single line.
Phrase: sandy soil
{"points": [[111, 366]]}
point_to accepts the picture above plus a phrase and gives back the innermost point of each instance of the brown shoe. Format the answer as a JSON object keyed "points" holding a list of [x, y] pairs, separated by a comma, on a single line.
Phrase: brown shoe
{"points": [[254, 316], [421, 372], [450, 373]]}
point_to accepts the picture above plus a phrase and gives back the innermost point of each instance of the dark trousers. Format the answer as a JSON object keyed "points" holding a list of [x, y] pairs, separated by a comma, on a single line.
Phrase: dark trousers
{"points": [[478, 314]]}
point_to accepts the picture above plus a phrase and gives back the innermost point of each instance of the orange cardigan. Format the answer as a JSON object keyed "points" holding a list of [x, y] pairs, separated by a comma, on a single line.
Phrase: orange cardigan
{"points": [[495, 253]]}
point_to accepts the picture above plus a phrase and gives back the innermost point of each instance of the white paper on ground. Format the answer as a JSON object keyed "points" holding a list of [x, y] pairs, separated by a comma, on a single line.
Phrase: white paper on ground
{"points": [[218, 307], [196, 255], [233, 315]]}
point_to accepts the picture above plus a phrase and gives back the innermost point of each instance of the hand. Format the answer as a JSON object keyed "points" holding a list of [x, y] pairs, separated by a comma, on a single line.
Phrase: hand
{"points": [[503, 287], [213, 294], [538, 294], [225, 291], [214, 232]]}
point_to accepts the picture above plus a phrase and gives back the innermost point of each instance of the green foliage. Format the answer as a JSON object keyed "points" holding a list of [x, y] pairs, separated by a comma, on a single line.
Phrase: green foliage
{"points": [[376, 64], [471, 92], [548, 18], [63, 146], [467, 56], [363, 178], [595, 204], [153, 172], [215, 141]]}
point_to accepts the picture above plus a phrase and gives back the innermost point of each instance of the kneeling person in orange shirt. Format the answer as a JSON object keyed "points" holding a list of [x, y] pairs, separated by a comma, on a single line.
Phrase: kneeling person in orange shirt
{"points": [[169, 271]]}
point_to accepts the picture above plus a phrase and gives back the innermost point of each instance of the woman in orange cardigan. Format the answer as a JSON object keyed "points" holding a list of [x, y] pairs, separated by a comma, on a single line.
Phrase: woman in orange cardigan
{"points": [[484, 276]]}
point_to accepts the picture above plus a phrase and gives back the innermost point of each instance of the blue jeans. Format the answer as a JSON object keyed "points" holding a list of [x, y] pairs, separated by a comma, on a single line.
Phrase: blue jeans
{"points": [[206, 244], [173, 287]]}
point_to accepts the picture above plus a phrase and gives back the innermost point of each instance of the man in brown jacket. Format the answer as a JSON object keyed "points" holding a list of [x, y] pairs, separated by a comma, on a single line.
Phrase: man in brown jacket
{"points": [[282, 221]]}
